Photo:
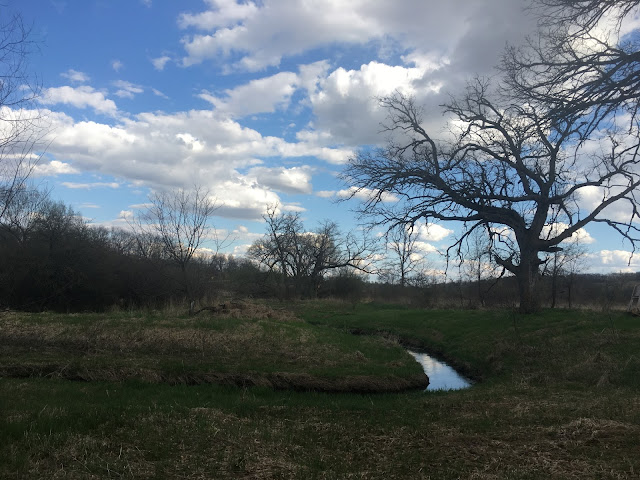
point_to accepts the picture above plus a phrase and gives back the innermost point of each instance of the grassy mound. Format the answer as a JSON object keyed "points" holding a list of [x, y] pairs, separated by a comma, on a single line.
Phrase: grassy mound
{"points": [[252, 348]]}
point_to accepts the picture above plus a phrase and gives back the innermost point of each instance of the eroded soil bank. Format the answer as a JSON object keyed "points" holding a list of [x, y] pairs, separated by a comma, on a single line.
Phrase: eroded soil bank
{"points": [[276, 380]]}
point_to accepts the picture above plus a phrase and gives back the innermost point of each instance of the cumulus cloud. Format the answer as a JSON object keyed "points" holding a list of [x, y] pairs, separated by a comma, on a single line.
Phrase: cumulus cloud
{"points": [[53, 169], [127, 89], [345, 104], [608, 261], [432, 232], [288, 180], [581, 236], [126, 215], [89, 186], [158, 93], [180, 149], [79, 97], [363, 194], [160, 62], [262, 95], [262, 33], [76, 76], [591, 196], [117, 65]]}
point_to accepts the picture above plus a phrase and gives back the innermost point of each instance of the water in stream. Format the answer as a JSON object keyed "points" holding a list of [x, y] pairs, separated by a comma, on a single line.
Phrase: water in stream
{"points": [[441, 376]]}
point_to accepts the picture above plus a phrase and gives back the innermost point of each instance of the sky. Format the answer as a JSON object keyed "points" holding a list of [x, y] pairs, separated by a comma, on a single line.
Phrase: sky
{"points": [[261, 102]]}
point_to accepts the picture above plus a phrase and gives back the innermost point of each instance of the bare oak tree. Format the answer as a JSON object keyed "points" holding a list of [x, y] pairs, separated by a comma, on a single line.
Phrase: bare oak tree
{"points": [[506, 167]]}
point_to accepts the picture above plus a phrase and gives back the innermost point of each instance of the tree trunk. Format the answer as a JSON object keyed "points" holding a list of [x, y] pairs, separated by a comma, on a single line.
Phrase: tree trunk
{"points": [[527, 275]]}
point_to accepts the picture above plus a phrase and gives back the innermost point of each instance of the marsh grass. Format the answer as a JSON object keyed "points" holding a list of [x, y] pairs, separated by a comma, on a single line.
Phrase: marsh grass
{"points": [[557, 399], [250, 346]]}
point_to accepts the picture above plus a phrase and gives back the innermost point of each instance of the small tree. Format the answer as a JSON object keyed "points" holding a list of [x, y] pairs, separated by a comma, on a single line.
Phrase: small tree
{"points": [[405, 260], [477, 263], [22, 128], [563, 267], [180, 221], [302, 258], [23, 212]]}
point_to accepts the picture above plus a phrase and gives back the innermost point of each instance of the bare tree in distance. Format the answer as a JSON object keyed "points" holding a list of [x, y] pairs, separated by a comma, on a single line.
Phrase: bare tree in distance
{"points": [[563, 267], [303, 258], [22, 127], [21, 215], [180, 221], [477, 263], [404, 259], [507, 167]]}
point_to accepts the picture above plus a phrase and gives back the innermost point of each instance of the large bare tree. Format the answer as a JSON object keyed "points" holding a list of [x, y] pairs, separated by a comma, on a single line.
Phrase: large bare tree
{"points": [[509, 168]]}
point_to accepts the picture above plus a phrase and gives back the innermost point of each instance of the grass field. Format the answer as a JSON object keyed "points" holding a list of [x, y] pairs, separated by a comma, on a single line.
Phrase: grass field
{"points": [[558, 395]]}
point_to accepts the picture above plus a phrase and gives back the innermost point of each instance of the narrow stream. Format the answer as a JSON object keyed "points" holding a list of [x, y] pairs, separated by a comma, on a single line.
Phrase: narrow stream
{"points": [[441, 376]]}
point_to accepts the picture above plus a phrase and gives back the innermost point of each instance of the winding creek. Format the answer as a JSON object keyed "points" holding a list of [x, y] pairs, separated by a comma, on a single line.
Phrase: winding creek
{"points": [[441, 376]]}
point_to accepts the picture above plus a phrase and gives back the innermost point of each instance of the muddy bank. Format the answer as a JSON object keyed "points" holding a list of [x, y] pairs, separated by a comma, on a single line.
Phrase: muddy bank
{"points": [[277, 380]]}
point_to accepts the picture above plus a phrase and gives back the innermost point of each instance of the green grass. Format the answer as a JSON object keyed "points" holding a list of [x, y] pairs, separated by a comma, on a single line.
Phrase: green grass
{"points": [[183, 349], [559, 398]]}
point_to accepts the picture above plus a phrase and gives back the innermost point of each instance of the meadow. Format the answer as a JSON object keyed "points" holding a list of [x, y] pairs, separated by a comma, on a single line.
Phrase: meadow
{"points": [[289, 391]]}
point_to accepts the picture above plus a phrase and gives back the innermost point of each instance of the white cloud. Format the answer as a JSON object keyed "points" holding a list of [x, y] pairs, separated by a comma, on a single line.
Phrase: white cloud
{"points": [[222, 13], [615, 261], [432, 232], [262, 95], [126, 215], [326, 193], [581, 236], [117, 65], [262, 33], [127, 89], [177, 150], [138, 206], [79, 97], [89, 186], [424, 247], [591, 196], [289, 180], [76, 76], [345, 104], [363, 194], [158, 93], [53, 168], [160, 62]]}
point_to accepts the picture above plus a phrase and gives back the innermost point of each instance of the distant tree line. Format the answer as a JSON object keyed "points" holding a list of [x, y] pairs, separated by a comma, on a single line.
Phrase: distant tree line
{"points": [[53, 259]]}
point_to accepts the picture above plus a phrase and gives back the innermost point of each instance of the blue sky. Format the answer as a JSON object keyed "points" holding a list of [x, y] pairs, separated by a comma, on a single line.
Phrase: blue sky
{"points": [[261, 102]]}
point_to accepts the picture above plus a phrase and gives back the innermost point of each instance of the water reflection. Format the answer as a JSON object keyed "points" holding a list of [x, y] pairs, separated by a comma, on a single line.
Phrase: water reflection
{"points": [[441, 376]]}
